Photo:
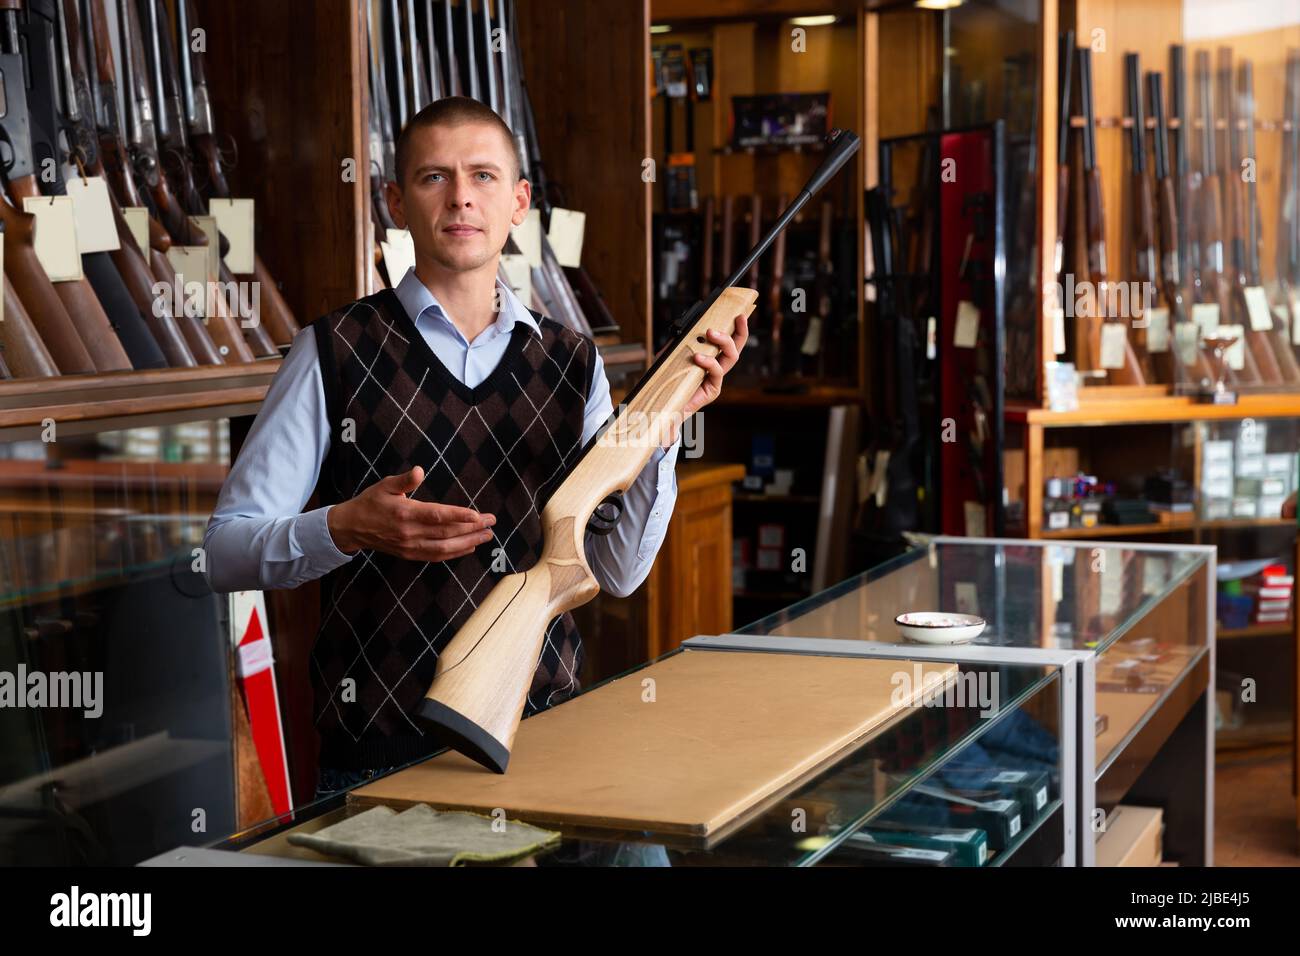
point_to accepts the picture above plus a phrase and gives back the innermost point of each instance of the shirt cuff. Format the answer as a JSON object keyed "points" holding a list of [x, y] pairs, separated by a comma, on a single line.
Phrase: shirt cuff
{"points": [[665, 460], [313, 533]]}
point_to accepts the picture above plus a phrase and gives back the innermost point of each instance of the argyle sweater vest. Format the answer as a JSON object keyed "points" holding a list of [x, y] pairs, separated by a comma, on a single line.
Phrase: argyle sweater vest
{"points": [[501, 448]]}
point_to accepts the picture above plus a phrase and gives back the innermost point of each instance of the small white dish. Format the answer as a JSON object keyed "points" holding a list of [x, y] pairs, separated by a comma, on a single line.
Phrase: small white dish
{"points": [[939, 627]]}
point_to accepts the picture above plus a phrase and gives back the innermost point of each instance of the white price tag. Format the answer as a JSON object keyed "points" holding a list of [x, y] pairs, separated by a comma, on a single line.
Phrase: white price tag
{"points": [[1114, 339], [1157, 330], [565, 236], [967, 331], [1187, 339], [399, 254], [1236, 355], [528, 237], [1257, 309], [1206, 317], [208, 226], [812, 340], [235, 220], [137, 220], [968, 601], [519, 276], [1294, 299], [191, 266], [56, 236], [1058, 330], [974, 519], [96, 225]]}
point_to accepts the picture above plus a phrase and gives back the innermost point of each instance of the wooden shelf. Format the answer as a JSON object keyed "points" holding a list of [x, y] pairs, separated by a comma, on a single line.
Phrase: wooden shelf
{"points": [[1126, 409], [775, 499], [1255, 630], [1120, 530]]}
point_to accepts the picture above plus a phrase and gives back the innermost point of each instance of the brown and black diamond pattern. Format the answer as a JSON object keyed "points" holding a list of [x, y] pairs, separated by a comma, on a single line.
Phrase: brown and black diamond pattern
{"points": [[501, 448]]}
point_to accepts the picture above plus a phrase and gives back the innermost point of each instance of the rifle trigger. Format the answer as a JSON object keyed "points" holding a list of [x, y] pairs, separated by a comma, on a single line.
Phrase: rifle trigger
{"points": [[607, 513]]}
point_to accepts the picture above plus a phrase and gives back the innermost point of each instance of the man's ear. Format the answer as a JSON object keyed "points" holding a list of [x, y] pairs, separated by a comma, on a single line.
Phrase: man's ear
{"points": [[393, 196], [523, 200]]}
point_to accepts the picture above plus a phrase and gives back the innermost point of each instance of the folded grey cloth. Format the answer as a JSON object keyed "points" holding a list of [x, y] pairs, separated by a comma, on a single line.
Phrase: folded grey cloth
{"points": [[423, 836]]}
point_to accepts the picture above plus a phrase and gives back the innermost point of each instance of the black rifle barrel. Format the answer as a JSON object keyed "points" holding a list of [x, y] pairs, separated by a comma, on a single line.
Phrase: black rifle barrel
{"points": [[1133, 93], [1178, 105], [1085, 98], [1204, 96], [1155, 93], [1065, 73]]}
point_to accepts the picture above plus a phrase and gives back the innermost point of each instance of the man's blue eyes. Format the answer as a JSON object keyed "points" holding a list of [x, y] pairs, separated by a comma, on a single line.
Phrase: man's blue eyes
{"points": [[483, 176]]}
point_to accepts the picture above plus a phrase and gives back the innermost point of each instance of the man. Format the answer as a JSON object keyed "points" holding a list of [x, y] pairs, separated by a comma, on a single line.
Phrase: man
{"points": [[435, 420]]}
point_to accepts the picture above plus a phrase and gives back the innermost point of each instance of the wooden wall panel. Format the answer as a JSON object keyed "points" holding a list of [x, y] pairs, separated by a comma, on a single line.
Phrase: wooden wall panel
{"points": [[287, 83], [587, 67]]}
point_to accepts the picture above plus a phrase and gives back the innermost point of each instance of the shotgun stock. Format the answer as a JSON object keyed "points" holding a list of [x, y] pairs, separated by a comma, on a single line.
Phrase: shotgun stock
{"points": [[24, 353], [477, 698]]}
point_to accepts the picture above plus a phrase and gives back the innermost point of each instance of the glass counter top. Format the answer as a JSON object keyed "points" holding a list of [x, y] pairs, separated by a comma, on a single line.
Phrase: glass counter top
{"points": [[955, 748], [1062, 595]]}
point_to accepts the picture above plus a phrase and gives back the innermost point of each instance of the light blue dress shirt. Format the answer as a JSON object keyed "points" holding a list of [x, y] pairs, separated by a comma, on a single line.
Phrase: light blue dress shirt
{"points": [[258, 538]]}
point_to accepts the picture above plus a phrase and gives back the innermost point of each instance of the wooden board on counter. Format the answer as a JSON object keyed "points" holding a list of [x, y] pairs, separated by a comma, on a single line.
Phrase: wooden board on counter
{"points": [[691, 746]]}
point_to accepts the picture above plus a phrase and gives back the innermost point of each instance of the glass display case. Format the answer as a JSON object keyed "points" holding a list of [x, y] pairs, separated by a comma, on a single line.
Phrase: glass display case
{"points": [[1130, 626], [978, 778], [115, 666]]}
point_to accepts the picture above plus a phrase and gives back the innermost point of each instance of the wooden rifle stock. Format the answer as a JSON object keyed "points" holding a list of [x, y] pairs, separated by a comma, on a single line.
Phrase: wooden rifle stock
{"points": [[24, 353], [81, 306], [477, 697], [40, 300], [193, 328]]}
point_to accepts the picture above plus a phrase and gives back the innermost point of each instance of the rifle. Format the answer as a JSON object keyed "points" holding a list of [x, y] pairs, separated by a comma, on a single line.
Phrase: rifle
{"points": [[279, 318], [114, 162], [477, 698], [1144, 211], [814, 339], [127, 258], [1213, 287], [1260, 362], [1184, 182], [1182, 371], [1288, 219], [774, 293], [1129, 372], [173, 134], [108, 308], [22, 352], [142, 148], [1275, 336], [23, 270]]}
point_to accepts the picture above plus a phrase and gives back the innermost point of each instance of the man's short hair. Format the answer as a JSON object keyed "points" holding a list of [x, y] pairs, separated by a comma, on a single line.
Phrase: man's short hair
{"points": [[453, 111]]}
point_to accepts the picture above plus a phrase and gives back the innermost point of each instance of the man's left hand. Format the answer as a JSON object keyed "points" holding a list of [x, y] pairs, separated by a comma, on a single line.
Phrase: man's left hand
{"points": [[715, 368]]}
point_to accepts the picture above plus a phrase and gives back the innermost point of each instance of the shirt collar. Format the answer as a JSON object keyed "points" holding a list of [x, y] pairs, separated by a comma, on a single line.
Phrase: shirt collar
{"points": [[419, 302]]}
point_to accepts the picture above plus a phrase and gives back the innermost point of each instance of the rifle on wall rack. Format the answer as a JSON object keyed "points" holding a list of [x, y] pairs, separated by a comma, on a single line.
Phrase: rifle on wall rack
{"points": [[1288, 218], [1144, 267], [477, 698], [1212, 290], [1260, 362], [1186, 362], [117, 165], [1096, 325], [1185, 182]]}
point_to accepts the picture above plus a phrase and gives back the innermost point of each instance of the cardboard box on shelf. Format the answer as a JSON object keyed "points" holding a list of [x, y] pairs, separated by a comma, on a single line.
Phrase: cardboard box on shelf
{"points": [[1132, 837]]}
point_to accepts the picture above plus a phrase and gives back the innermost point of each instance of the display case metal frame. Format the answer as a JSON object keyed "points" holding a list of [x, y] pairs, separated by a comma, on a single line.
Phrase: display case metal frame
{"points": [[1079, 675]]}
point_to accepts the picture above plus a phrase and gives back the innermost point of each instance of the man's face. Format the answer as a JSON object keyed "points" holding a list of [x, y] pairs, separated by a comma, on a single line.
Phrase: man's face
{"points": [[460, 197]]}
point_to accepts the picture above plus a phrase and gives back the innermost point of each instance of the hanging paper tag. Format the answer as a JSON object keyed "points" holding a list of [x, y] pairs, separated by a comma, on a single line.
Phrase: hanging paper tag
{"points": [[399, 254], [1157, 330], [967, 332], [137, 220], [1257, 309], [812, 340], [1187, 339], [1295, 317], [1114, 338], [208, 226], [967, 597], [1206, 317], [96, 225], [1058, 330], [191, 266], [1236, 356], [518, 276], [565, 236], [235, 220], [56, 236], [974, 512], [528, 237]]}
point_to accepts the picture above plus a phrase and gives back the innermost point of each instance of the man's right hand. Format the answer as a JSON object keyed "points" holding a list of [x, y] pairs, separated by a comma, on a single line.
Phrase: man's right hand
{"points": [[383, 518]]}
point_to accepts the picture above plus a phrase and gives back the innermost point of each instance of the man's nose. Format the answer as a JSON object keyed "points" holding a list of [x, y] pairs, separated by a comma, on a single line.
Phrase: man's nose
{"points": [[459, 195]]}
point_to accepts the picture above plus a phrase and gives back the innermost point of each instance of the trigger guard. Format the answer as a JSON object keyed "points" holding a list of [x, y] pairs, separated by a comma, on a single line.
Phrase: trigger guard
{"points": [[603, 522]]}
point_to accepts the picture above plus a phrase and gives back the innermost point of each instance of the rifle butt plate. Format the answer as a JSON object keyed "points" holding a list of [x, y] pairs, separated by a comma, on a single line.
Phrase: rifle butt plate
{"points": [[461, 734]]}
